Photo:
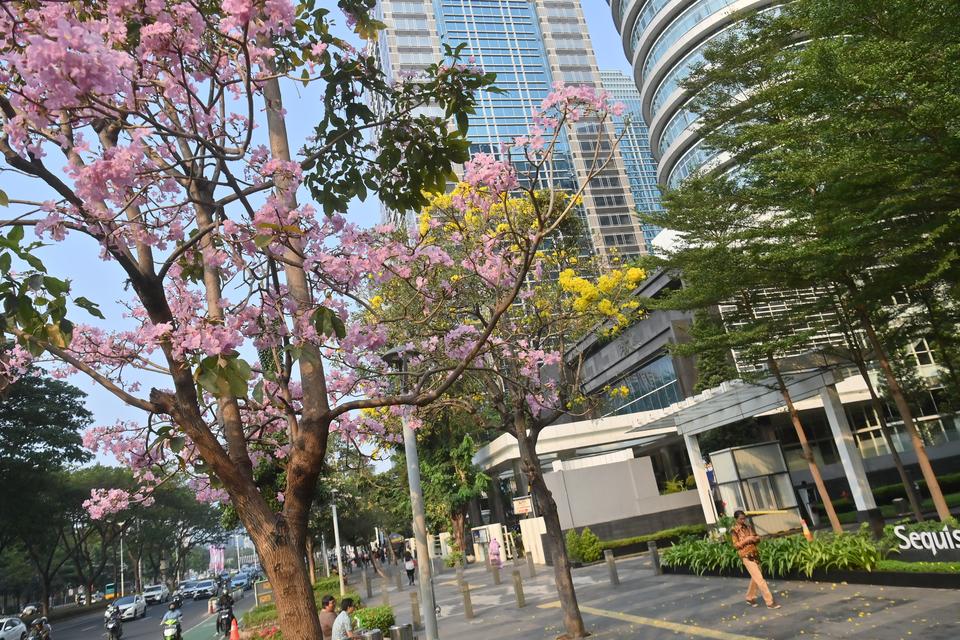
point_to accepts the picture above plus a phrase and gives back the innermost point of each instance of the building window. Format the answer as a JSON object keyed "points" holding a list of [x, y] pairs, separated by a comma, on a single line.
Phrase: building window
{"points": [[922, 352]]}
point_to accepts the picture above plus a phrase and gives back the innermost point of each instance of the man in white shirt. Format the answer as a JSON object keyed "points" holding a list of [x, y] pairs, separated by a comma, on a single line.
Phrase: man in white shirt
{"points": [[343, 625]]}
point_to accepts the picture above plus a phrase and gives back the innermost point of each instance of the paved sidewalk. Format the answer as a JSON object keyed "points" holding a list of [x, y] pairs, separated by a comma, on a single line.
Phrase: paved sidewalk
{"points": [[659, 607]]}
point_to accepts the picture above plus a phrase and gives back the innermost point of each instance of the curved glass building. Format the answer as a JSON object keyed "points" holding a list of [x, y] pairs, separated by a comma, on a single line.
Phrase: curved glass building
{"points": [[664, 40]]}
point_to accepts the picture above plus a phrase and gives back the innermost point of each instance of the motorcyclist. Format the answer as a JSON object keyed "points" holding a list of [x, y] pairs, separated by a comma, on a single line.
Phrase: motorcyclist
{"points": [[173, 616], [225, 601], [224, 605], [113, 616], [37, 625]]}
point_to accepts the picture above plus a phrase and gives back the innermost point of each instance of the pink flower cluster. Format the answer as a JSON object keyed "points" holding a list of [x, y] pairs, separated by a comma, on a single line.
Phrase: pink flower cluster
{"points": [[105, 502]]}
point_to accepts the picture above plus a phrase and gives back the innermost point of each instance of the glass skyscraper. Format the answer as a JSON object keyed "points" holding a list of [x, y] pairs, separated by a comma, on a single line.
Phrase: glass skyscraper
{"points": [[640, 166], [529, 44], [664, 40]]}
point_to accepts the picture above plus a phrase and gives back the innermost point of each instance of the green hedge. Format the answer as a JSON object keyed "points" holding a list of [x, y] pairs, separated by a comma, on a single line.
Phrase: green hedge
{"points": [[885, 494], [375, 618], [664, 534]]}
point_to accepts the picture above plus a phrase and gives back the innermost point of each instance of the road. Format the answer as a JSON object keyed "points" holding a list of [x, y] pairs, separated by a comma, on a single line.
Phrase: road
{"points": [[197, 624]]}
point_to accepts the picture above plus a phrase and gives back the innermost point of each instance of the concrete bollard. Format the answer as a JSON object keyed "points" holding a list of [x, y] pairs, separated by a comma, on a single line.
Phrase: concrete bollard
{"points": [[415, 610], [531, 566], [385, 591], [496, 574], [366, 584], [518, 590], [436, 565], [467, 604], [486, 556], [611, 567], [399, 579], [459, 572], [654, 557]]}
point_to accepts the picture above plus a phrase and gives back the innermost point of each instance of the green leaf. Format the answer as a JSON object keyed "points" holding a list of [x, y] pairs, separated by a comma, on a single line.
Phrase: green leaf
{"points": [[328, 323], [90, 307], [4, 200], [5, 261]]}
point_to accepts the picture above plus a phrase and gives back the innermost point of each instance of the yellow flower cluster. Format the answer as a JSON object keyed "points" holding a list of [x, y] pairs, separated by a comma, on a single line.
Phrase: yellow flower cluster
{"points": [[619, 392], [607, 295]]}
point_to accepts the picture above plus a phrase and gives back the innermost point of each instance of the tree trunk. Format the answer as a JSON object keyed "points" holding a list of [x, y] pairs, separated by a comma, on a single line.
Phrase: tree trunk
{"points": [[888, 438], [459, 520], [547, 507], [284, 565], [943, 511], [858, 358], [311, 561], [805, 446]]}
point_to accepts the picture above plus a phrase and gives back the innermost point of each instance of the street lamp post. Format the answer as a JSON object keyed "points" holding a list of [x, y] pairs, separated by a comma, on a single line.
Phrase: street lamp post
{"points": [[121, 562], [398, 359], [238, 551], [336, 541]]}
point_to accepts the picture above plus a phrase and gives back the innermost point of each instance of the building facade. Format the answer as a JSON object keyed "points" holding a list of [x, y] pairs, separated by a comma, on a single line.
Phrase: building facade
{"points": [[635, 148], [530, 45], [665, 40]]}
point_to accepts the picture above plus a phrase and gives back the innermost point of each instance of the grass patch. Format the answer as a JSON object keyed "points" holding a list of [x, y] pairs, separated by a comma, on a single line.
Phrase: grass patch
{"points": [[918, 567]]}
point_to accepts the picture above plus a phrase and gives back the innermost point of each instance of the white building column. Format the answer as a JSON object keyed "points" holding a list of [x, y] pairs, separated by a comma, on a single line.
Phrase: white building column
{"points": [[849, 453], [700, 475]]}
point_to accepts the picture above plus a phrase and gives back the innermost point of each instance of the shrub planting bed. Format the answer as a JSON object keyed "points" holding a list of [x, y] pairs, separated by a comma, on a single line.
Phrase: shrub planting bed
{"points": [[849, 557], [260, 622]]}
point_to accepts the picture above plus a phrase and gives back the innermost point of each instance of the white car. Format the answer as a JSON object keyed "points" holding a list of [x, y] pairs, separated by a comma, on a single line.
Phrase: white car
{"points": [[156, 593], [12, 629], [130, 607]]}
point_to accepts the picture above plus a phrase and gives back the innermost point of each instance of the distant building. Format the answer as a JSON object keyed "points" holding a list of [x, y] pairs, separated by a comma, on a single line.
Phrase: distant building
{"points": [[529, 44], [665, 40], [640, 166]]}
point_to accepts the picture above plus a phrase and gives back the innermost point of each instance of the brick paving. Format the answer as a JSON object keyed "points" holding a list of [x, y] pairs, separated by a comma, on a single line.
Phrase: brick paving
{"points": [[654, 607]]}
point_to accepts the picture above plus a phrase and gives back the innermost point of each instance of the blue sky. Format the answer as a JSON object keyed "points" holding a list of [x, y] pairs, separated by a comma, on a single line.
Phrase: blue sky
{"points": [[102, 281]]}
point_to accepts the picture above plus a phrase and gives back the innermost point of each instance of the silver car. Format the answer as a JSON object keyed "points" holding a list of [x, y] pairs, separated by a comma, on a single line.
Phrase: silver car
{"points": [[12, 629]]}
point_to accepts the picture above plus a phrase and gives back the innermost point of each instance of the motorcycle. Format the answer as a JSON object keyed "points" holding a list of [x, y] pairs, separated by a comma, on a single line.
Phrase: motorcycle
{"points": [[113, 623], [171, 630], [224, 620]]}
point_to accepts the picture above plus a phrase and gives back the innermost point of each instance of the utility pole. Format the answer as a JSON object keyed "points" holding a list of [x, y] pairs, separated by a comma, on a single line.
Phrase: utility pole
{"points": [[336, 540], [398, 359], [420, 532]]}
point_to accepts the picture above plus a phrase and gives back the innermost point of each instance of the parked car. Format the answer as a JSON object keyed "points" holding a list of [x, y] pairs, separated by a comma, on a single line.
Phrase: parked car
{"points": [[156, 593], [12, 629], [131, 607], [205, 589]]}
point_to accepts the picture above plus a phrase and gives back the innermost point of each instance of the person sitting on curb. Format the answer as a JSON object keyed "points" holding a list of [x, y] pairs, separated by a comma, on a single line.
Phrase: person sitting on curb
{"points": [[343, 625], [745, 541]]}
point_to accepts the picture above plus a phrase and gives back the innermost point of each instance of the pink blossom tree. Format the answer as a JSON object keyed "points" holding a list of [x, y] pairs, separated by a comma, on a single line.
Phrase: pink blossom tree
{"points": [[137, 122]]}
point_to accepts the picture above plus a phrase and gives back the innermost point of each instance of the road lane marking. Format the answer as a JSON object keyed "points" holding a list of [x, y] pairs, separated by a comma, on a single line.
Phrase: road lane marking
{"points": [[688, 629]]}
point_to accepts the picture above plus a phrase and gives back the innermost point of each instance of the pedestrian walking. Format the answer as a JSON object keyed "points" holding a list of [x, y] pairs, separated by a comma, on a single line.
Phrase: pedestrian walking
{"points": [[343, 625], [410, 565], [745, 541], [495, 553]]}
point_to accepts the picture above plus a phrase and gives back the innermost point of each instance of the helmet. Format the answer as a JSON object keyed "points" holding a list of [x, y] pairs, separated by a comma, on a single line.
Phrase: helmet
{"points": [[28, 611], [172, 607]]}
